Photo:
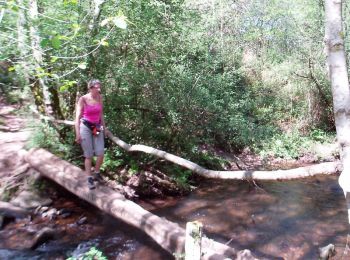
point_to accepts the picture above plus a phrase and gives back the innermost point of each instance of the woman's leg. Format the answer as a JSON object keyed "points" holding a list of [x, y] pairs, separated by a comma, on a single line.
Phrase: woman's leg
{"points": [[99, 145], [87, 145], [88, 163], [99, 161]]}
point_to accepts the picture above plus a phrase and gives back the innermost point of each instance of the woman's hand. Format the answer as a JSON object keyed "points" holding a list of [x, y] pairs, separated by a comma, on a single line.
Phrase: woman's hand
{"points": [[78, 139]]}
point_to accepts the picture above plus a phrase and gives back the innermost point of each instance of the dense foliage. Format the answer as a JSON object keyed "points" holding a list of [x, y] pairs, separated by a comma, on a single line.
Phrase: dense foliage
{"points": [[179, 74]]}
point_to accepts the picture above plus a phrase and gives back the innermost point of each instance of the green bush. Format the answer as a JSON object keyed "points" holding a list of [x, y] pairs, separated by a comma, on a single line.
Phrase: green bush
{"points": [[92, 254], [47, 137], [285, 145]]}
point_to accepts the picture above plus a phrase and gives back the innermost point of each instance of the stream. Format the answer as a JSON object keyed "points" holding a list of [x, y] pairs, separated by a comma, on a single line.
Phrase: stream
{"points": [[274, 219]]}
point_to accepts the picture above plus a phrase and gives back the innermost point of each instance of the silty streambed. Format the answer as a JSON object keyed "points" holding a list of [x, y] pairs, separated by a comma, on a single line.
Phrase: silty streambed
{"points": [[276, 220]]}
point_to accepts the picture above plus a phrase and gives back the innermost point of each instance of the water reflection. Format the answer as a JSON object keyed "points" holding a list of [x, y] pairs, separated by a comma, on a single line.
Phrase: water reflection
{"points": [[289, 219]]}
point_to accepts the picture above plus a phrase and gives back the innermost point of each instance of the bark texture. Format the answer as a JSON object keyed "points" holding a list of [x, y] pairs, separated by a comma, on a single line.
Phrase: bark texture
{"points": [[334, 39], [167, 234]]}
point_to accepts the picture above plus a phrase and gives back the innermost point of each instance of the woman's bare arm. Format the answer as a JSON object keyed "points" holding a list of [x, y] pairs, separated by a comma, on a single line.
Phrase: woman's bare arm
{"points": [[102, 115], [78, 115]]}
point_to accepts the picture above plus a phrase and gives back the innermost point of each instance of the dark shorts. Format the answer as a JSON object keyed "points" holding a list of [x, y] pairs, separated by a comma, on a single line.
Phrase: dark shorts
{"points": [[92, 145]]}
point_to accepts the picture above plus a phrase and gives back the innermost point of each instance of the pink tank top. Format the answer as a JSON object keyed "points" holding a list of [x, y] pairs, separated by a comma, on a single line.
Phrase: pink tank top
{"points": [[92, 113]]}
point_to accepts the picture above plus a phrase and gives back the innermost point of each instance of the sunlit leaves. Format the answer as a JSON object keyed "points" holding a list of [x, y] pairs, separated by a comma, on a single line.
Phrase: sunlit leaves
{"points": [[11, 5], [82, 65], [70, 2], [105, 21], [41, 73], [53, 59], [67, 84], [103, 42], [120, 21]]}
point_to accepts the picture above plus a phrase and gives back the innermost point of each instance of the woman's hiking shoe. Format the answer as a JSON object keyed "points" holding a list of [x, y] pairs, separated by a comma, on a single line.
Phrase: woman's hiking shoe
{"points": [[98, 177], [91, 183]]}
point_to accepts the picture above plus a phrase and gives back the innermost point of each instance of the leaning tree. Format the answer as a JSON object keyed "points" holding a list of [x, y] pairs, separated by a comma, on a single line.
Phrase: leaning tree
{"points": [[336, 64]]}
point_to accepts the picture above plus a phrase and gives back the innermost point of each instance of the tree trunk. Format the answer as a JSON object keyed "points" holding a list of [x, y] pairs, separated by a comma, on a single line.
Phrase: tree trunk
{"points": [[37, 54], [21, 34], [168, 235], [95, 13], [301, 172], [38, 96], [334, 39]]}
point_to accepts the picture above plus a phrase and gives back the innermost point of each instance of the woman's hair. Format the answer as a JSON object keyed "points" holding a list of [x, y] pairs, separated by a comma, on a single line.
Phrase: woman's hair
{"points": [[93, 82]]}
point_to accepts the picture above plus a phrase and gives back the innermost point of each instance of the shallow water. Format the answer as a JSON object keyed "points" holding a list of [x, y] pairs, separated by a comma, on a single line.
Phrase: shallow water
{"points": [[277, 220], [289, 219]]}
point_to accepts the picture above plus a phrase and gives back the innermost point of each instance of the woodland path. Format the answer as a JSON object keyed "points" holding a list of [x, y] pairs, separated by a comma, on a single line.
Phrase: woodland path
{"points": [[13, 138]]}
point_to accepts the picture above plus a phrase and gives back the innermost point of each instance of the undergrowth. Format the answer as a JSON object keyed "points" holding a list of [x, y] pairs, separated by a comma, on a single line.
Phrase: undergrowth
{"points": [[293, 145]]}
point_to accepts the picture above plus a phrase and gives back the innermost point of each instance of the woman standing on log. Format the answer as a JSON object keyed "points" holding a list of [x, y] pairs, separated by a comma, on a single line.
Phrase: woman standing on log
{"points": [[89, 129]]}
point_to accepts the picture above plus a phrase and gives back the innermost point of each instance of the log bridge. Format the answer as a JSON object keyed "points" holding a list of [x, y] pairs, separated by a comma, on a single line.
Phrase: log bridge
{"points": [[168, 235]]}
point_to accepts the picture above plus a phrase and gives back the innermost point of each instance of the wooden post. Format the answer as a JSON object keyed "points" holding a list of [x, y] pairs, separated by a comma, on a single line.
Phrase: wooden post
{"points": [[193, 240]]}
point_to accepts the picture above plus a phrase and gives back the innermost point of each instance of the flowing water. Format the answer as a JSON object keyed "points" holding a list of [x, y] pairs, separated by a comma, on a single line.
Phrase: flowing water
{"points": [[276, 220]]}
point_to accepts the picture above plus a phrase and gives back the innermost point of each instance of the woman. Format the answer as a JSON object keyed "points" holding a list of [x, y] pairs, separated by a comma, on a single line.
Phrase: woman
{"points": [[89, 129]]}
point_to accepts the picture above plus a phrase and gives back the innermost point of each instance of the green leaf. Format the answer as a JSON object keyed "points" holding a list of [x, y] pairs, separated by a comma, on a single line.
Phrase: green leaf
{"points": [[70, 2], [120, 22], [56, 42], [63, 88], [82, 66], [63, 37], [104, 43], [44, 42], [53, 59], [67, 85], [11, 69], [105, 21]]}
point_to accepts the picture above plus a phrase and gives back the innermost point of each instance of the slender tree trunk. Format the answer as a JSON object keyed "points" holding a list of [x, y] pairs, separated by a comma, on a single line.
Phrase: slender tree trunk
{"points": [[55, 103], [22, 42], [334, 39], [2, 12], [37, 53], [23, 47], [95, 13]]}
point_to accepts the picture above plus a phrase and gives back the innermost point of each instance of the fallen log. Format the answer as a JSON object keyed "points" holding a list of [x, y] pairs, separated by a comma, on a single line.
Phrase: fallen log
{"points": [[168, 235], [9, 210], [301, 172]]}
